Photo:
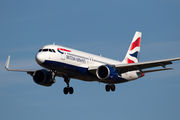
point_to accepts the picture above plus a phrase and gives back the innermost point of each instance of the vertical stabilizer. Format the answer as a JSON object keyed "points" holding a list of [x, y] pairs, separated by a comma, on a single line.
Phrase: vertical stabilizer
{"points": [[132, 55]]}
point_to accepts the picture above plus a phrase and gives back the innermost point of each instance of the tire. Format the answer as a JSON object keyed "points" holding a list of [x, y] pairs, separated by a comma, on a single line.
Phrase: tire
{"points": [[71, 90], [65, 90], [113, 87], [107, 88]]}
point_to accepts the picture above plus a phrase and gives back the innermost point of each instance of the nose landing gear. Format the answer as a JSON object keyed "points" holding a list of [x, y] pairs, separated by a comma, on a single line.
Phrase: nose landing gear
{"points": [[53, 74]]}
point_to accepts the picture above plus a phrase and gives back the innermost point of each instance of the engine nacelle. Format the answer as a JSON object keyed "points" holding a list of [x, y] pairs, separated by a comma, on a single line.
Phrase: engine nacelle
{"points": [[106, 72], [43, 77]]}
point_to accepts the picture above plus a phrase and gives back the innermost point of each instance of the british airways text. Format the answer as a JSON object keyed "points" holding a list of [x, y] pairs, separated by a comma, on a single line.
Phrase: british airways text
{"points": [[75, 59]]}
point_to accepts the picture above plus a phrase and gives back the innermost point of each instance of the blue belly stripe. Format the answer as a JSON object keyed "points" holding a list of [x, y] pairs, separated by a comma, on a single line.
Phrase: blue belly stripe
{"points": [[84, 71]]}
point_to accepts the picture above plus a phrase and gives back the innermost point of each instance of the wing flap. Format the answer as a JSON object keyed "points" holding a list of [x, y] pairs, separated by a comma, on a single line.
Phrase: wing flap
{"points": [[148, 71]]}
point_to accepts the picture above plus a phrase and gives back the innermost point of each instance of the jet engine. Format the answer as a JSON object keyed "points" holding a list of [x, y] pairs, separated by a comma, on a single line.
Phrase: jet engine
{"points": [[43, 77], [106, 72]]}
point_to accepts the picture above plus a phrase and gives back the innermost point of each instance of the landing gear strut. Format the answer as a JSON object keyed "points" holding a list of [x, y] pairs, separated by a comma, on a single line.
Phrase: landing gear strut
{"points": [[53, 74], [67, 89], [111, 87]]}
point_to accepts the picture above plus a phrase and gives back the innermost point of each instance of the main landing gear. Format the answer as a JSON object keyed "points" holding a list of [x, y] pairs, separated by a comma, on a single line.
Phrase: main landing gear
{"points": [[111, 87], [68, 89]]}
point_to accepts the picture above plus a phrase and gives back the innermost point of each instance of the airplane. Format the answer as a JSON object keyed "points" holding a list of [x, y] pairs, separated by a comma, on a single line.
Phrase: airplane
{"points": [[70, 63]]}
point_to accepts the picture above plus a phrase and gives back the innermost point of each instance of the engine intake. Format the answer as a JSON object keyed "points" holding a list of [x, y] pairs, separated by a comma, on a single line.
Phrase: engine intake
{"points": [[106, 72], [43, 77]]}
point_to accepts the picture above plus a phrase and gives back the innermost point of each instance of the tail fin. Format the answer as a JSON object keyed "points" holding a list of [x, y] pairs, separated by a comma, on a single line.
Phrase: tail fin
{"points": [[132, 55]]}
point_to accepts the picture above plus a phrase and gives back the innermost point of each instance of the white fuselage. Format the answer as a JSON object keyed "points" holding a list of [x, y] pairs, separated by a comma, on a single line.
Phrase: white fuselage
{"points": [[75, 64]]}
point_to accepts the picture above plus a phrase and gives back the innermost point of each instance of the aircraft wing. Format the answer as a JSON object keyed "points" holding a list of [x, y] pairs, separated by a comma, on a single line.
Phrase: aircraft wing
{"points": [[122, 68], [145, 65], [18, 70]]}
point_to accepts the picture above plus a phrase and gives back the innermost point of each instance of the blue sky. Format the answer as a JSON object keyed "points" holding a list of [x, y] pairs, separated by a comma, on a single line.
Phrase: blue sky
{"points": [[99, 27]]}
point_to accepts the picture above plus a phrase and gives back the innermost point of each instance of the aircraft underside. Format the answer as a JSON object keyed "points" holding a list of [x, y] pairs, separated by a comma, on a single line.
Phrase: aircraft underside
{"points": [[69, 71]]}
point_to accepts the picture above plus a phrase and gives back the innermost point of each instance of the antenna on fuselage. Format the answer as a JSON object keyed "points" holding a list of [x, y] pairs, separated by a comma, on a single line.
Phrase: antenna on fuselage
{"points": [[53, 43]]}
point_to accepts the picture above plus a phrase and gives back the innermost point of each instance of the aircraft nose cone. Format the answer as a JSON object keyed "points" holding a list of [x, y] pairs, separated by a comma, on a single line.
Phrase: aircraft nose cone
{"points": [[39, 58]]}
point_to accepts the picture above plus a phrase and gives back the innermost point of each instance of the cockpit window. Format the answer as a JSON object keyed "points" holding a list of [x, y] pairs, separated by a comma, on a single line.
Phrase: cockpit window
{"points": [[47, 50], [40, 50], [53, 50]]}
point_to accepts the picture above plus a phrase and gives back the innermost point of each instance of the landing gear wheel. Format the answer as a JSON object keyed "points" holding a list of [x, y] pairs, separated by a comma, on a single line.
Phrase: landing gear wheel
{"points": [[113, 87], [107, 88], [65, 90], [71, 90]]}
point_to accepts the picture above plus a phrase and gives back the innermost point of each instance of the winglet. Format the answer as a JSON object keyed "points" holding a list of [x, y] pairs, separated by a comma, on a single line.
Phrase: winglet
{"points": [[7, 63]]}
